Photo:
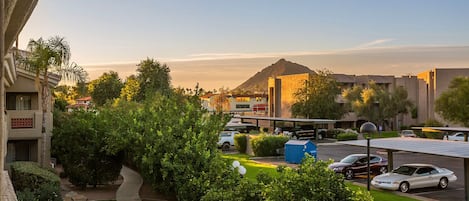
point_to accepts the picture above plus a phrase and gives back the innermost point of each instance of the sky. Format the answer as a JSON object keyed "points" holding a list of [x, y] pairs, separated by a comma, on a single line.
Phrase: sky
{"points": [[221, 43]]}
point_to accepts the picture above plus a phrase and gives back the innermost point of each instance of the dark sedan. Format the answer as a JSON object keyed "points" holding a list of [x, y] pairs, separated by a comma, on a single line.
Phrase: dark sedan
{"points": [[356, 164]]}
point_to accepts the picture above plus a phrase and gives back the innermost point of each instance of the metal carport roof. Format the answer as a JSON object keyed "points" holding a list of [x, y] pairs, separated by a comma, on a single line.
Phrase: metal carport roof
{"points": [[426, 146]]}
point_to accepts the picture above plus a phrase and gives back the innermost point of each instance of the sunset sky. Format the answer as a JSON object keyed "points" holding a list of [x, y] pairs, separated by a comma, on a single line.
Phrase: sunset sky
{"points": [[221, 43]]}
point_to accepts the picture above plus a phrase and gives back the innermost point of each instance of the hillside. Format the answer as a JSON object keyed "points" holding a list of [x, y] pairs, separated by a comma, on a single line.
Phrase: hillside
{"points": [[258, 82]]}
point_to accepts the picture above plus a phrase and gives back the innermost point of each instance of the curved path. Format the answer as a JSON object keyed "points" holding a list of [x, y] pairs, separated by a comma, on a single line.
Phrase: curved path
{"points": [[130, 187]]}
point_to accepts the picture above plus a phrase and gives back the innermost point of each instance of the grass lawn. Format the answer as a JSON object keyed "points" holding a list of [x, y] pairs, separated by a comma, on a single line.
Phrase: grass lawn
{"points": [[384, 134], [253, 168]]}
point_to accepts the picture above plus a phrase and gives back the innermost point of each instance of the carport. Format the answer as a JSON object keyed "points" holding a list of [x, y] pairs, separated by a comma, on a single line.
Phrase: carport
{"points": [[425, 146], [329, 122]]}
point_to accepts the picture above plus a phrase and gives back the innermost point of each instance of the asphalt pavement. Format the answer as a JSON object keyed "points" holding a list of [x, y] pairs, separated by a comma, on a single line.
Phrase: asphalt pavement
{"points": [[454, 192]]}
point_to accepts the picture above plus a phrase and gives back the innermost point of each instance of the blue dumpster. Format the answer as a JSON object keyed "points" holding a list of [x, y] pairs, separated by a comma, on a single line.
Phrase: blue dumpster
{"points": [[295, 150]]}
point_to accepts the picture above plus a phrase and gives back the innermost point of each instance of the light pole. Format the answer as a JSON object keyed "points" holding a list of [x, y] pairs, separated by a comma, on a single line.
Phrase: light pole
{"points": [[368, 128]]}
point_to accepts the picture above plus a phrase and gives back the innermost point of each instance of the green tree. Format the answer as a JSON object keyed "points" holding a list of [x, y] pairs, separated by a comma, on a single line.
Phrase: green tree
{"points": [[453, 104], [376, 104], [46, 56], [107, 87], [78, 142], [131, 89], [153, 77], [317, 99]]}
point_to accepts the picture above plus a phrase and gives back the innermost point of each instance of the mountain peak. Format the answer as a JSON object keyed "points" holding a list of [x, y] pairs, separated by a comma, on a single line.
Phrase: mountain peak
{"points": [[258, 82]]}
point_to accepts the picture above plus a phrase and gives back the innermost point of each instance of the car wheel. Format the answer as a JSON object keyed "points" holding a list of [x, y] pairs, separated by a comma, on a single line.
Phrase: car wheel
{"points": [[295, 137], [320, 137], [404, 187], [443, 183], [225, 146], [383, 170], [349, 174]]}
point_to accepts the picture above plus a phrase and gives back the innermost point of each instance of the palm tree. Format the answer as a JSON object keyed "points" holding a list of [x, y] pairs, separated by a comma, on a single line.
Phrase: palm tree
{"points": [[52, 55]]}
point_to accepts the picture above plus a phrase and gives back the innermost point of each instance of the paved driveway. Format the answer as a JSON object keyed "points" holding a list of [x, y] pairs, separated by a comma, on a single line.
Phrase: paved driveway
{"points": [[455, 191]]}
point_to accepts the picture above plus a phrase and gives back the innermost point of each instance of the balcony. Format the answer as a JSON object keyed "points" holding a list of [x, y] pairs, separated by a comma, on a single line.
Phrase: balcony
{"points": [[23, 124]]}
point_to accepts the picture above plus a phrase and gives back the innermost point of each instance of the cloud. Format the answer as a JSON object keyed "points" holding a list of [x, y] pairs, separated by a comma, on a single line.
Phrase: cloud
{"points": [[375, 42]]}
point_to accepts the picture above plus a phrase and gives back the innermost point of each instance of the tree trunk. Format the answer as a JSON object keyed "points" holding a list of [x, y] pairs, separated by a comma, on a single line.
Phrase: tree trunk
{"points": [[45, 105]]}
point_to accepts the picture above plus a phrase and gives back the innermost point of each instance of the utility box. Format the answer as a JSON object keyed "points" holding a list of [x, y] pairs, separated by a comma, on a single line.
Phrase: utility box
{"points": [[295, 150]]}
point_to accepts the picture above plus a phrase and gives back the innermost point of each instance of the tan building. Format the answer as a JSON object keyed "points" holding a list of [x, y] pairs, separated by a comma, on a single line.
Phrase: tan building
{"points": [[422, 90], [433, 83], [13, 17], [240, 103]]}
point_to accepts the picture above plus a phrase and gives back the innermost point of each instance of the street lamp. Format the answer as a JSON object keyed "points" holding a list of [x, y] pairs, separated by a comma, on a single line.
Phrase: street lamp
{"points": [[368, 128]]}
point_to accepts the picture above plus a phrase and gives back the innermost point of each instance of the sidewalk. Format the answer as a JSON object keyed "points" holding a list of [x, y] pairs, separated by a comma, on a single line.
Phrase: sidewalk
{"points": [[129, 189]]}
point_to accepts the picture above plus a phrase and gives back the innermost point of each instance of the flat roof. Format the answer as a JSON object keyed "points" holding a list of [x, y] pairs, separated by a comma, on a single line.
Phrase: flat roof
{"points": [[455, 149], [315, 121]]}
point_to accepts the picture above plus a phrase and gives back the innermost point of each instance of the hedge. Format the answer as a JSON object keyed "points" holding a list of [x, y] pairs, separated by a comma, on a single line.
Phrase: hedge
{"points": [[267, 145], [27, 176], [241, 142], [347, 136]]}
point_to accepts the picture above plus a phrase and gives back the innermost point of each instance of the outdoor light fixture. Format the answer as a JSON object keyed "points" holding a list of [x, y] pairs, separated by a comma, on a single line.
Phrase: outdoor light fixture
{"points": [[368, 128]]}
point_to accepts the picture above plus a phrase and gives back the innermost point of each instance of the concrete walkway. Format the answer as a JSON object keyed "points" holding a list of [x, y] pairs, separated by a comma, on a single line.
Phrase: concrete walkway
{"points": [[130, 187]]}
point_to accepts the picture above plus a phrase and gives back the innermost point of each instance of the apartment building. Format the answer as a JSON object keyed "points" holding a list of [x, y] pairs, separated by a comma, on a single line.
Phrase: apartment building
{"points": [[13, 14], [422, 89]]}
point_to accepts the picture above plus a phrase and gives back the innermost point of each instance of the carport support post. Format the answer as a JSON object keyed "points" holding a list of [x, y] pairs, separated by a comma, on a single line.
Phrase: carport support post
{"points": [[368, 163], [390, 160], [466, 179]]}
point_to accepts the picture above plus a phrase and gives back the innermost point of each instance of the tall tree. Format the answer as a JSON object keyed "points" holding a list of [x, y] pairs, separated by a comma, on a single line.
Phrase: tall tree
{"points": [[153, 77], [107, 87], [131, 89], [377, 104], [453, 104], [317, 98], [45, 56]]}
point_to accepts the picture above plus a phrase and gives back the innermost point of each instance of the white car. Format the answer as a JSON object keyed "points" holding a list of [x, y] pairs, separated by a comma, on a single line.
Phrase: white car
{"points": [[412, 176], [226, 139], [459, 136], [407, 133]]}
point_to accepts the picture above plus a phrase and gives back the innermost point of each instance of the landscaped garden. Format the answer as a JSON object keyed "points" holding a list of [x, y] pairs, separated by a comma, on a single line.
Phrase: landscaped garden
{"points": [[254, 168]]}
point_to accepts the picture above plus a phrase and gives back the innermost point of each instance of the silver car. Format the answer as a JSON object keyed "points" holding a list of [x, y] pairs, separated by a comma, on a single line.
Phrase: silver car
{"points": [[412, 176]]}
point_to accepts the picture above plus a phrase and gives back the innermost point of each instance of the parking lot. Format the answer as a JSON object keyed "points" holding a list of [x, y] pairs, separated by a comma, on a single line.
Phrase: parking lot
{"points": [[455, 191]]}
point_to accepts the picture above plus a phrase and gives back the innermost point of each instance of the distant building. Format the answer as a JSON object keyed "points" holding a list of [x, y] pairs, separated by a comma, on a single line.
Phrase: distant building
{"points": [[239, 103], [422, 89], [81, 103]]}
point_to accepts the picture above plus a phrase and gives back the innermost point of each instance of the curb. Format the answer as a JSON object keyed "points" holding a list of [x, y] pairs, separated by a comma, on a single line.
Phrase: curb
{"points": [[417, 197]]}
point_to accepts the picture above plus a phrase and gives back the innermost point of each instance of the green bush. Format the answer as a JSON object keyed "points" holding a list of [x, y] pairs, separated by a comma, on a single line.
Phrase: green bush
{"points": [[347, 136], [267, 145], [29, 175], [434, 135], [241, 142]]}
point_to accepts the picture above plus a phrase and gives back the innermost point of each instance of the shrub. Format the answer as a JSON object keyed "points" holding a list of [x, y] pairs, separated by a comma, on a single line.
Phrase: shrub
{"points": [[241, 143], [29, 175], [433, 122], [347, 136], [434, 135], [266, 145]]}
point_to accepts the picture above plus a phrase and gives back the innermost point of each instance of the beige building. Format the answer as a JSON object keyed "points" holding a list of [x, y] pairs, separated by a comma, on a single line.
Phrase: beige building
{"points": [[239, 103], [13, 16], [422, 90]]}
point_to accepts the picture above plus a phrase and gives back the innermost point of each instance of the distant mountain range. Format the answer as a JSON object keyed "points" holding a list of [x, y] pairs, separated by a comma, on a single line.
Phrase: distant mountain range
{"points": [[258, 82]]}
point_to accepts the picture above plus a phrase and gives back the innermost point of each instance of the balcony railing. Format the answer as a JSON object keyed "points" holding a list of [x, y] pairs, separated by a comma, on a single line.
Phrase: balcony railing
{"points": [[24, 123]]}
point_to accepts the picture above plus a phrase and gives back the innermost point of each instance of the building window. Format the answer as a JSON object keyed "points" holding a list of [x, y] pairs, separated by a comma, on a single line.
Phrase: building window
{"points": [[242, 106], [18, 101], [243, 99]]}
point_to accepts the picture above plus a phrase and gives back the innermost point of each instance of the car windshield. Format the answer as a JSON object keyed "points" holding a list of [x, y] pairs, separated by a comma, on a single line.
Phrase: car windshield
{"points": [[405, 170], [407, 132], [349, 159]]}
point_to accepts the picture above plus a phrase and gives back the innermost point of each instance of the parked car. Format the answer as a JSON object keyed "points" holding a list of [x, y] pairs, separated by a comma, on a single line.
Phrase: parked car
{"points": [[459, 136], [304, 132], [240, 127], [356, 164], [407, 133], [226, 139], [412, 176]]}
